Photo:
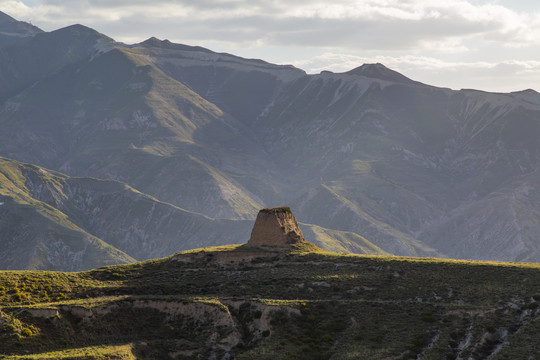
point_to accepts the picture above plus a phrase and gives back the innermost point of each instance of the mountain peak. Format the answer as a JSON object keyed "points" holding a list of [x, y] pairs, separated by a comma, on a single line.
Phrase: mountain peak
{"points": [[81, 30], [12, 30], [275, 227], [527, 95], [379, 71], [166, 44], [79, 36]]}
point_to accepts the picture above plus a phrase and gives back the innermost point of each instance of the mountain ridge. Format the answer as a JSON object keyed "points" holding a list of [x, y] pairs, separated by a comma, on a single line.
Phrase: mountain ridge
{"points": [[13, 31]]}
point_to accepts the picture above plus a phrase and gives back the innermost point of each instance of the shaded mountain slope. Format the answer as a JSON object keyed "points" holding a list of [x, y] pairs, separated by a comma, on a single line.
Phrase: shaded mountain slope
{"points": [[508, 217], [240, 87], [125, 120], [14, 32], [408, 155], [44, 53]]}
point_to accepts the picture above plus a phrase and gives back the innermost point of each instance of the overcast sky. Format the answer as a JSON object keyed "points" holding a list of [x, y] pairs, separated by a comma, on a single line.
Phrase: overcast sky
{"points": [[491, 45]]}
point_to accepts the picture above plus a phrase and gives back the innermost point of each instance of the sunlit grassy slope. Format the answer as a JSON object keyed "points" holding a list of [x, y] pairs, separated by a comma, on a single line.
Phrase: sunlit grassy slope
{"points": [[301, 303], [36, 235]]}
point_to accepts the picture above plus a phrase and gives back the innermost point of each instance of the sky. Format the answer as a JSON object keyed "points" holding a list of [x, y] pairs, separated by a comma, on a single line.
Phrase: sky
{"points": [[491, 45]]}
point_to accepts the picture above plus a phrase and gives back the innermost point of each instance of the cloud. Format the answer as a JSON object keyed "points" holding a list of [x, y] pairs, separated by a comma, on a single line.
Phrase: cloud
{"points": [[450, 31], [371, 23]]}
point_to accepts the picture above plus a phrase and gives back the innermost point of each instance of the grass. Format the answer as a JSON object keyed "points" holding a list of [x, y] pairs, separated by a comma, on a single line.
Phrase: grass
{"points": [[315, 304], [28, 216], [120, 352]]}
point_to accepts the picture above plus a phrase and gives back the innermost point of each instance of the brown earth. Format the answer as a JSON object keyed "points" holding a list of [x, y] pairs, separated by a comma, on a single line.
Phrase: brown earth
{"points": [[275, 227]]}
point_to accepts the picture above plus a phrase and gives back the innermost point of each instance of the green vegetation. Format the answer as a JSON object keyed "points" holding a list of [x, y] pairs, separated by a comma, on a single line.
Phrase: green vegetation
{"points": [[340, 241], [266, 304], [33, 220], [112, 352]]}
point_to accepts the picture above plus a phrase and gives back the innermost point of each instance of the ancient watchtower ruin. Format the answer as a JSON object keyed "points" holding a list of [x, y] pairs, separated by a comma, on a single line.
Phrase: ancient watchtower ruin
{"points": [[275, 227]]}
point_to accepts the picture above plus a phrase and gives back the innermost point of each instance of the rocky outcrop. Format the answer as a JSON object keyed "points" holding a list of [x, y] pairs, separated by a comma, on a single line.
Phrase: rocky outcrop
{"points": [[216, 329], [275, 227]]}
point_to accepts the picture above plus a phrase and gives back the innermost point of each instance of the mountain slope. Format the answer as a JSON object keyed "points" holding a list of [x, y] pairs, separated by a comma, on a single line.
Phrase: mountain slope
{"points": [[108, 214], [52, 221], [369, 153], [35, 235], [240, 87], [508, 217], [408, 155], [44, 53], [121, 116], [342, 214]]}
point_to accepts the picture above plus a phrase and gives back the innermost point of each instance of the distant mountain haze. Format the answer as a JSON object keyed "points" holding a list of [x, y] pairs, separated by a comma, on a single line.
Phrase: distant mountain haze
{"points": [[140, 151]]}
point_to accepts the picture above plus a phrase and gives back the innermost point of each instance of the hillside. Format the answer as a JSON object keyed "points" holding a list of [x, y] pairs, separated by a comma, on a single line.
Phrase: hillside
{"points": [[78, 223], [238, 302], [276, 296], [369, 160], [36, 235], [90, 222]]}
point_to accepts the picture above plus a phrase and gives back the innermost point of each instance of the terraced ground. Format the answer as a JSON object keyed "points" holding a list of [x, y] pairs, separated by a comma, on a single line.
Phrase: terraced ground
{"points": [[246, 303]]}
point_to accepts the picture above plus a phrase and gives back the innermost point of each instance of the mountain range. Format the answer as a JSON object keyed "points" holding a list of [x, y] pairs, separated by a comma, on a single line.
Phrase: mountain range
{"points": [[113, 153]]}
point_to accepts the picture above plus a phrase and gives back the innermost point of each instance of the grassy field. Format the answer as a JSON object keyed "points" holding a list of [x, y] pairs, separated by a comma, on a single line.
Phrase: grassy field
{"points": [[117, 352], [261, 303]]}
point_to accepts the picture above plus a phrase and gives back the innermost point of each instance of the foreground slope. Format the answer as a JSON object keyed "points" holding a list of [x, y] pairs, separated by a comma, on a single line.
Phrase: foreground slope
{"points": [[247, 302]]}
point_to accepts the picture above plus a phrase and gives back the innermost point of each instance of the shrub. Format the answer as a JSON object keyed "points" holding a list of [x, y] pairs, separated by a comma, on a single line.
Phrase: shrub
{"points": [[279, 317], [257, 314], [26, 332], [428, 318], [15, 290]]}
